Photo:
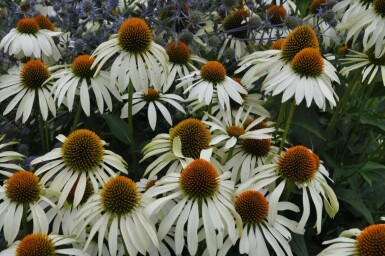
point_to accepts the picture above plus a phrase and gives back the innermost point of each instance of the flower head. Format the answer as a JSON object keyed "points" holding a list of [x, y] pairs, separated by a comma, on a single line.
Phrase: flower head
{"points": [[302, 167], [369, 241], [277, 14], [118, 208], [155, 100], [38, 244], [82, 75], [23, 191], [44, 22], [198, 186], [140, 60], [32, 38], [134, 35], [212, 80], [194, 137], [81, 157], [24, 84], [300, 38]]}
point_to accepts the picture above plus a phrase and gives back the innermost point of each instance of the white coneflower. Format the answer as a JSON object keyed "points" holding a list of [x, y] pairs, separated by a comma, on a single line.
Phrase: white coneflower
{"points": [[297, 69], [119, 208], [28, 40], [181, 62], [42, 244], [302, 167], [22, 191], [140, 60], [211, 80], [370, 20], [79, 78], [251, 153], [369, 65], [186, 140], [289, 5], [24, 84], [198, 188], [236, 32], [259, 235], [253, 101], [354, 242], [231, 129], [81, 156], [155, 100]]}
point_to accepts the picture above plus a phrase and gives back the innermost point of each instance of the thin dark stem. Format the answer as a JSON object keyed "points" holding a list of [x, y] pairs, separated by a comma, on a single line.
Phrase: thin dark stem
{"points": [[287, 126], [41, 129], [77, 118], [131, 128], [24, 220], [281, 113]]}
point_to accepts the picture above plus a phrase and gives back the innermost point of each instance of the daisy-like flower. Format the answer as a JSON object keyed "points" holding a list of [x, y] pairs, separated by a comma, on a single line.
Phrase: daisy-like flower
{"points": [[298, 70], [236, 32], [211, 80], [44, 22], [29, 40], [277, 14], [24, 84], [197, 189], [354, 242], [38, 244], [82, 156], [154, 99], [119, 208], [186, 140], [252, 101], [252, 152], [369, 65], [231, 130], [80, 76], [22, 191], [42, 244], [302, 167], [259, 235], [371, 21], [9, 156], [181, 62], [140, 60], [289, 5]]}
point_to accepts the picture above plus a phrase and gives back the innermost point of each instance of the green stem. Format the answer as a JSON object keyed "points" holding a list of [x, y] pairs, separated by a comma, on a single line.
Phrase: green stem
{"points": [[361, 107], [209, 108], [131, 127], [340, 107], [287, 126], [24, 220], [77, 117], [46, 135], [230, 153], [288, 189], [41, 129], [281, 113]]}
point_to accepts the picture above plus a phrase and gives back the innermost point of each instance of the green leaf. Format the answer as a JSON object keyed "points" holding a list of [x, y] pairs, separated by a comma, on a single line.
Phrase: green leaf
{"points": [[369, 119], [373, 166], [354, 199], [118, 127], [298, 245], [309, 127]]}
